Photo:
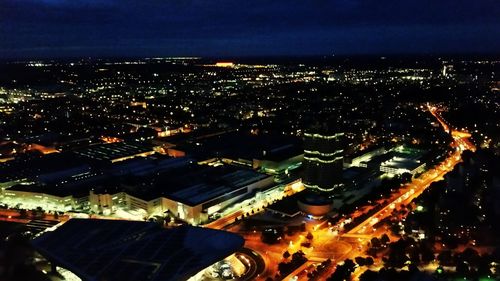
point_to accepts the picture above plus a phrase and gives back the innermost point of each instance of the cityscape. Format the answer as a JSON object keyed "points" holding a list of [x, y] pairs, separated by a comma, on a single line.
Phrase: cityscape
{"points": [[243, 161]]}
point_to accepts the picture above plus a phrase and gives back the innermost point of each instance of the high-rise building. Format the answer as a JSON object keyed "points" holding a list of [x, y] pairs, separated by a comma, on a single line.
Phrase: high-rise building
{"points": [[323, 161]]}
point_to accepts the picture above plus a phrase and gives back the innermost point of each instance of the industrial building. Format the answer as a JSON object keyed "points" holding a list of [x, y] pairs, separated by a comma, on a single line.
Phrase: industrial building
{"points": [[117, 250], [195, 192], [272, 154], [115, 152], [395, 161], [143, 187]]}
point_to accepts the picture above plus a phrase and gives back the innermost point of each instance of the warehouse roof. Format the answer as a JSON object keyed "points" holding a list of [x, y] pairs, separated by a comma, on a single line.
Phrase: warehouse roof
{"points": [[116, 250]]}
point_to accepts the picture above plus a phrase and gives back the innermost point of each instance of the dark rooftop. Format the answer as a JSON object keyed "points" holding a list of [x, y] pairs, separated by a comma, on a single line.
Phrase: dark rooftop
{"points": [[195, 184], [287, 206], [128, 250], [245, 146], [41, 167], [113, 151]]}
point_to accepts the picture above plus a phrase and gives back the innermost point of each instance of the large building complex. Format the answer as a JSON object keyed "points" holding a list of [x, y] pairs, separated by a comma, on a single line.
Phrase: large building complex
{"points": [[191, 193], [131, 180], [271, 154]]}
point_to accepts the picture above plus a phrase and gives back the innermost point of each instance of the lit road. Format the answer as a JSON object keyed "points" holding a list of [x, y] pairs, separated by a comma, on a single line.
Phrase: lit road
{"points": [[360, 235], [405, 195], [253, 262], [15, 216], [331, 242], [255, 205]]}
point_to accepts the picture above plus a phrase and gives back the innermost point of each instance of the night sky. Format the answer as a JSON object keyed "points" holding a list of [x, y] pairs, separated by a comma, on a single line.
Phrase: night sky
{"points": [[69, 28]]}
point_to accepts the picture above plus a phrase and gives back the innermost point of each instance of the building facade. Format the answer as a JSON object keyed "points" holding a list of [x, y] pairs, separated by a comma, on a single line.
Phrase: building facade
{"points": [[323, 161]]}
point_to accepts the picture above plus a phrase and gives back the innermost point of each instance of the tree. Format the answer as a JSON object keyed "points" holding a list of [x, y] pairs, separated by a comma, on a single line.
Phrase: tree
{"points": [[445, 257], [483, 266], [368, 276], [309, 236], [286, 255], [326, 262], [395, 229], [298, 256], [23, 213], [406, 177], [39, 212], [375, 242], [372, 252], [427, 255], [360, 261], [385, 239], [350, 265], [343, 272], [470, 255], [462, 268], [415, 256], [283, 268]]}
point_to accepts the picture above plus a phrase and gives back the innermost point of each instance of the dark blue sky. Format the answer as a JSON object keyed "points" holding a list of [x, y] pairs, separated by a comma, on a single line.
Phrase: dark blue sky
{"points": [[62, 28]]}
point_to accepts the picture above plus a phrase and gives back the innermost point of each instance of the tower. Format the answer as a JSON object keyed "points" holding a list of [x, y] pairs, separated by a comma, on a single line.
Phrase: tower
{"points": [[323, 161]]}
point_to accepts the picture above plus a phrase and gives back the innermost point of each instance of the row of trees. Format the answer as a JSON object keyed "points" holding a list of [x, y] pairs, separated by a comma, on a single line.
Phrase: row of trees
{"points": [[319, 269], [343, 272], [285, 268]]}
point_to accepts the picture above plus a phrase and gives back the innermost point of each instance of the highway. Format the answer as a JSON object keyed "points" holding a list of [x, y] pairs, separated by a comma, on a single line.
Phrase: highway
{"points": [[330, 241], [360, 235], [335, 243]]}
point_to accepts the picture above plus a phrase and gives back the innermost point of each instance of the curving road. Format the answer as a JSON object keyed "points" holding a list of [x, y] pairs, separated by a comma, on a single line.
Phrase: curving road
{"points": [[253, 262], [331, 242]]}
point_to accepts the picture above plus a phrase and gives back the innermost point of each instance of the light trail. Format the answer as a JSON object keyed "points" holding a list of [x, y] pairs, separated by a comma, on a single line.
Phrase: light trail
{"points": [[359, 236]]}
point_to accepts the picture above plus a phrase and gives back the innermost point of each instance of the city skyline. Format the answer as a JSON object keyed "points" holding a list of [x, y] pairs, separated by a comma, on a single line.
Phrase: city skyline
{"points": [[193, 140]]}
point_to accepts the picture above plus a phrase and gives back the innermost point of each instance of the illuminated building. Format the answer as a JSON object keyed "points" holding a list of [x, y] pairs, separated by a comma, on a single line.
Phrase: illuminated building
{"points": [[116, 151], [224, 64], [323, 165], [67, 182], [196, 192], [402, 160], [323, 161], [154, 186]]}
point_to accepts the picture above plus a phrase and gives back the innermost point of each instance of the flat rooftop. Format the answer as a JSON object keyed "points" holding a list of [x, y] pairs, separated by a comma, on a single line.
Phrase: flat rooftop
{"points": [[402, 163], [108, 177], [196, 184], [51, 165], [114, 151], [287, 206], [116, 250], [76, 190], [245, 146]]}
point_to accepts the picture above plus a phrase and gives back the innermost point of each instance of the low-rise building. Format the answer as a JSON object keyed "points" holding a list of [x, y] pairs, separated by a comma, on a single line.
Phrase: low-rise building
{"points": [[195, 192], [117, 250]]}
